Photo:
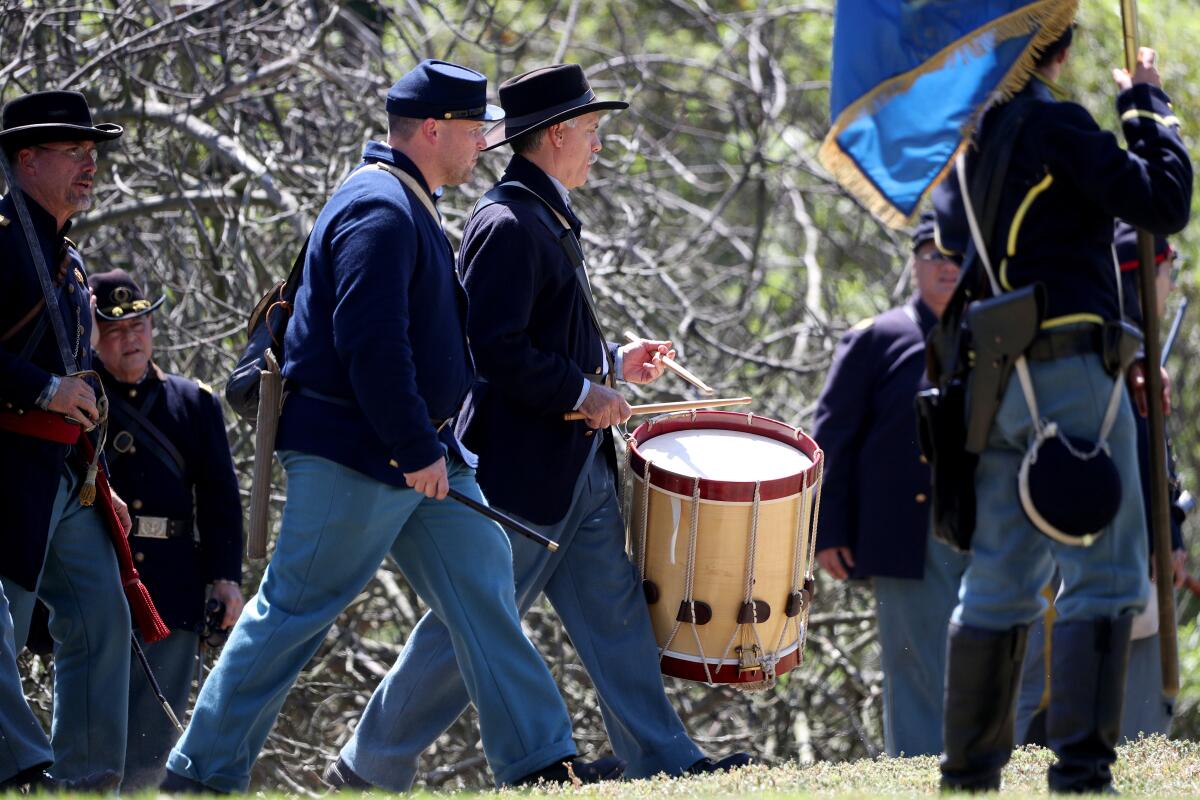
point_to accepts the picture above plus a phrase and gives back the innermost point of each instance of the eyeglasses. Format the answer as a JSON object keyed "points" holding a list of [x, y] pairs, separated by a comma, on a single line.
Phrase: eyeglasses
{"points": [[77, 153], [935, 255]]}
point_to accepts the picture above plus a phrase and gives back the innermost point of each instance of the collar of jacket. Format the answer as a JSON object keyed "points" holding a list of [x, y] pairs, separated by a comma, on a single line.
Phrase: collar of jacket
{"points": [[523, 170], [378, 151], [925, 317], [153, 373], [1045, 89], [44, 223]]}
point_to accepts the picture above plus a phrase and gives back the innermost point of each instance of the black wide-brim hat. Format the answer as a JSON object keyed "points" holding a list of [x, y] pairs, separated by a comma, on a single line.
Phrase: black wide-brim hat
{"points": [[544, 97], [54, 116], [118, 297]]}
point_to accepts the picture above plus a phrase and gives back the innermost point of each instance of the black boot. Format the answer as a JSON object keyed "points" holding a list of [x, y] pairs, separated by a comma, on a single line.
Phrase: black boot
{"points": [[983, 671], [1087, 687]]}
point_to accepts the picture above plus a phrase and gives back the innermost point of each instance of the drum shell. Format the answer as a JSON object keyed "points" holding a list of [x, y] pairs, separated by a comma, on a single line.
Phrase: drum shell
{"points": [[725, 518]]}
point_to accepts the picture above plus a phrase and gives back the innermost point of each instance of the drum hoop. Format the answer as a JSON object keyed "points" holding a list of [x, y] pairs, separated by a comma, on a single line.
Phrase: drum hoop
{"points": [[721, 490], [728, 503], [728, 662]]}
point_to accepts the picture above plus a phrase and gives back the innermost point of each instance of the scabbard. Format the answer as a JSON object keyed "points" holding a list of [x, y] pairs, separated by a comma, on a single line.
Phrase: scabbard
{"points": [[270, 401]]}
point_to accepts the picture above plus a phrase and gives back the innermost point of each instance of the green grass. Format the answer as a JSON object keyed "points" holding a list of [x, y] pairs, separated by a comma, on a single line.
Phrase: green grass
{"points": [[1154, 767]]}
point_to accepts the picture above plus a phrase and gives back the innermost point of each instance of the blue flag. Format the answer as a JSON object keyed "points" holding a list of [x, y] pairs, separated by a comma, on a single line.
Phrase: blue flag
{"points": [[911, 78]]}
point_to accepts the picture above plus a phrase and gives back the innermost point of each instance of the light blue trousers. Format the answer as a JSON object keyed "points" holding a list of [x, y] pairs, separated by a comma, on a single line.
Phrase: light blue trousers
{"points": [[151, 734], [338, 526], [23, 743], [913, 617], [89, 621], [597, 594], [1011, 560]]}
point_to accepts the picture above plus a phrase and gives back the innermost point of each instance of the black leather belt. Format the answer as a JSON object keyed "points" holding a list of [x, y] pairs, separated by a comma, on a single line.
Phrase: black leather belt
{"points": [[1053, 344], [161, 528]]}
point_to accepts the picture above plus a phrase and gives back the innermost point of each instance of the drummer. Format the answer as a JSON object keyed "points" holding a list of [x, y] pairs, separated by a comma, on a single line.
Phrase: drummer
{"points": [[875, 498], [539, 354]]}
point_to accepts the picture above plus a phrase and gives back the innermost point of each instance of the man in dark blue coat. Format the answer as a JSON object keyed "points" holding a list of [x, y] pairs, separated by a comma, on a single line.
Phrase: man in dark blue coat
{"points": [[875, 498], [1065, 182], [541, 353], [376, 363], [168, 456], [55, 547]]}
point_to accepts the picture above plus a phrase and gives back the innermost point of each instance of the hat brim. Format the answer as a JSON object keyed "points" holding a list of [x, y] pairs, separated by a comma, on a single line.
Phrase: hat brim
{"points": [[59, 132], [502, 134], [131, 314]]}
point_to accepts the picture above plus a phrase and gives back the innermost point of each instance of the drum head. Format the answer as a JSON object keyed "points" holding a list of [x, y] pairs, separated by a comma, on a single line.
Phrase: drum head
{"points": [[724, 455]]}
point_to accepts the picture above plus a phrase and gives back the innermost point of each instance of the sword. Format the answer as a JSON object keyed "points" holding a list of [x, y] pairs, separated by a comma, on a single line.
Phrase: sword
{"points": [[1174, 333], [270, 400]]}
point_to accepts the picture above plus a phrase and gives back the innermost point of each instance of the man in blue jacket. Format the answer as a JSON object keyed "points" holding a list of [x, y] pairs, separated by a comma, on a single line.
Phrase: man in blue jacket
{"points": [[377, 364], [168, 455], [55, 547], [541, 353], [1066, 181], [875, 498]]}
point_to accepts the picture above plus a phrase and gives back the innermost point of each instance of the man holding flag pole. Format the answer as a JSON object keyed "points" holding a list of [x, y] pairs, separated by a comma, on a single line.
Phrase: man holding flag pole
{"points": [[1031, 364]]}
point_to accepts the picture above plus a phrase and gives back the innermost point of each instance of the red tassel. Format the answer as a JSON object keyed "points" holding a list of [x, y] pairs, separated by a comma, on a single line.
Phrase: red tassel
{"points": [[145, 615]]}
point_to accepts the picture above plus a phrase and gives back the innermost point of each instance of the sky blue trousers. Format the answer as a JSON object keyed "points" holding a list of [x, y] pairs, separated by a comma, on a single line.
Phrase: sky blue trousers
{"points": [[89, 621], [1011, 560], [338, 526], [23, 743], [598, 597], [913, 617]]}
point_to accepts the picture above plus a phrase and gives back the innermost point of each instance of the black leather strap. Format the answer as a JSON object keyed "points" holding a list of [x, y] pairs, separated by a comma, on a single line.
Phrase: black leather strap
{"points": [[1060, 344], [135, 421]]}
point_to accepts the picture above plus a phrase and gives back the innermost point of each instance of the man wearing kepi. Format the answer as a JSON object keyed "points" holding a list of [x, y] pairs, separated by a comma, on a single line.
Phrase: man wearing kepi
{"points": [[377, 363], [168, 456], [55, 542], [541, 353], [865, 424], [1045, 500]]}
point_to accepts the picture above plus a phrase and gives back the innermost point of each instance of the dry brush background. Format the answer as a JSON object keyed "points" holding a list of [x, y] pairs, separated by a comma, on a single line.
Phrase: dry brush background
{"points": [[707, 221]]}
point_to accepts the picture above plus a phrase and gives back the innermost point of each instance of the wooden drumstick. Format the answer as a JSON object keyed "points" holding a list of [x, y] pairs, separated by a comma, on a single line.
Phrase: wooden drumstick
{"points": [[681, 405], [674, 366]]}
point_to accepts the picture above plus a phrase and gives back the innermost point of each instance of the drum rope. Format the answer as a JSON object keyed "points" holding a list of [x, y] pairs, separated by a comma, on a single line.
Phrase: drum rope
{"points": [[641, 555], [689, 582], [798, 550], [767, 661]]}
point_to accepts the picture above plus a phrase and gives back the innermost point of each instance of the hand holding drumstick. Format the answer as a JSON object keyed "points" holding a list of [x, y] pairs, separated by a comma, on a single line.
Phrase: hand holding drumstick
{"points": [[667, 360]]}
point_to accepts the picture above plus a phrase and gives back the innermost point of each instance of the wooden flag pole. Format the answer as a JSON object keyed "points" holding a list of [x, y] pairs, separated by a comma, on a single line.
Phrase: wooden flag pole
{"points": [[1159, 500]]}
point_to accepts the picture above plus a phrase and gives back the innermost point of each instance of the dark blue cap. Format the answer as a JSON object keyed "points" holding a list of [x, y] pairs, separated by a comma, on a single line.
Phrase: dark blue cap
{"points": [[925, 230], [442, 90]]}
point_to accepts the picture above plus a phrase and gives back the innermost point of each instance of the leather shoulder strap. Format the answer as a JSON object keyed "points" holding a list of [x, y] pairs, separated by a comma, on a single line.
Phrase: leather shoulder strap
{"points": [[411, 183]]}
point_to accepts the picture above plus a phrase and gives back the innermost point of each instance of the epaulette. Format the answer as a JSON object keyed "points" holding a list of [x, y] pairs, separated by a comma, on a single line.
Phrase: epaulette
{"points": [[203, 385], [863, 324], [4, 221]]}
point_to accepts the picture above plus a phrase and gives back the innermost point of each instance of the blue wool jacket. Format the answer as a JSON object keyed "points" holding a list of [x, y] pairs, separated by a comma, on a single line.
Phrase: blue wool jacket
{"points": [[379, 329], [205, 489], [30, 468], [1066, 182], [875, 491]]}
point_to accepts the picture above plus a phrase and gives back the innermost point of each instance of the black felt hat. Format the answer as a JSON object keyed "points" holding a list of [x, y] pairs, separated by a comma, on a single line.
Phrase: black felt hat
{"points": [[119, 297], [926, 230], [543, 97], [53, 116]]}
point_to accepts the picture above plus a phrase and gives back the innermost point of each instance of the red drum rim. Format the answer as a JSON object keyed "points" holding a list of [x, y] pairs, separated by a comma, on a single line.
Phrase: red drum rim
{"points": [[724, 673], [726, 491]]}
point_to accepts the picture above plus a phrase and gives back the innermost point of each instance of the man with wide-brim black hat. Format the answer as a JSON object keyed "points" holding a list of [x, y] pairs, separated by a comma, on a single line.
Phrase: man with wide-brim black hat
{"points": [[540, 353], [55, 543]]}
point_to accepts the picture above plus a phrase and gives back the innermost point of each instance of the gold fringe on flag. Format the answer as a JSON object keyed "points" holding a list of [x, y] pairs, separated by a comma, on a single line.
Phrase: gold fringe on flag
{"points": [[1047, 18]]}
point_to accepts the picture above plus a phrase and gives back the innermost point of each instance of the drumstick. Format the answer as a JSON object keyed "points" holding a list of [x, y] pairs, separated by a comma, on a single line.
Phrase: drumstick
{"points": [[504, 519], [682, 405], [675, 367]]}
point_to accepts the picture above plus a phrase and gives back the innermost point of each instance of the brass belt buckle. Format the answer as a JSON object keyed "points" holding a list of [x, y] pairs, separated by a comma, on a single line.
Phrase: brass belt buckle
{"points": [[151, 527]]}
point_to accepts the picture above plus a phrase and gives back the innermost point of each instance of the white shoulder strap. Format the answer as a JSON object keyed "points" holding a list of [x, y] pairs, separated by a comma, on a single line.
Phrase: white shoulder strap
{"points": [[407, 180]]}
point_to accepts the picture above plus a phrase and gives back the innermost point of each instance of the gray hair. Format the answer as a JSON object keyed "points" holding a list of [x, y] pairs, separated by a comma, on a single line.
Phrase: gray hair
{"points": [[528, 142]]}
